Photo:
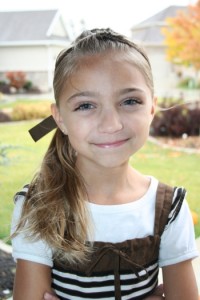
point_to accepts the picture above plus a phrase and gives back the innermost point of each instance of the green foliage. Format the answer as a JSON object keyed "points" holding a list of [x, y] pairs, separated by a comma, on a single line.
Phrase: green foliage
{"points": [[28, 85], [189, 83]]}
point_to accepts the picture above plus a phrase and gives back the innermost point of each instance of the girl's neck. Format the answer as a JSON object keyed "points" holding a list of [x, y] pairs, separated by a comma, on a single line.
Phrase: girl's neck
{"points": [[115, 185]]}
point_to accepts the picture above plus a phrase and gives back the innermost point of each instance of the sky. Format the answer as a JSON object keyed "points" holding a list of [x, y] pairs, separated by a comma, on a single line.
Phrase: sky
{"points": [[120, 15]]}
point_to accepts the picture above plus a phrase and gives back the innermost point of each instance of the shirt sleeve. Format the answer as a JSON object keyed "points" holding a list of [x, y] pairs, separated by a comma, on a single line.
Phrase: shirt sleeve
{"points": [[178, 239], [22, 247]]}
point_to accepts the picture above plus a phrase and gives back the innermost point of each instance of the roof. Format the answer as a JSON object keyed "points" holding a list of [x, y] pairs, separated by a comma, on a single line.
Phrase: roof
{"points": [[149, 31], [161, 16], [21, 26]]}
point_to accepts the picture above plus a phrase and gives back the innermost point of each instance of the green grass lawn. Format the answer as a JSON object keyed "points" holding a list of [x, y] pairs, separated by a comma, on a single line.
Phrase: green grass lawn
{"points": [[23, 157]]}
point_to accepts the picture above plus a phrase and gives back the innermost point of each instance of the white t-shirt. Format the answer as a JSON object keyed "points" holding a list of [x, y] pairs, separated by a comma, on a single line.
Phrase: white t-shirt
{"points": [[117, 223]]}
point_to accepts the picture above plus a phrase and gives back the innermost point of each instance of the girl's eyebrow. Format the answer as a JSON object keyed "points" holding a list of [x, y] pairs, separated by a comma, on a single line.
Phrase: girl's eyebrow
{"points": [[129, 90], [81, 94], [95, 94]]}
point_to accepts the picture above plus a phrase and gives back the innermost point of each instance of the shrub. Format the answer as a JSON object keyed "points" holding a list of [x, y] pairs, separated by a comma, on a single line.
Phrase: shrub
{"points": [[31, 111], [176, 121], [4, 117], [16, 79], [28, 85], [4, 87], [189, 83]]}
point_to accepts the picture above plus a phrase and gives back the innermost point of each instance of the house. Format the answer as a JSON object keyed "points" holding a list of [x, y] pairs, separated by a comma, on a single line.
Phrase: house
{"points": [[30, 42], [149, 34]]}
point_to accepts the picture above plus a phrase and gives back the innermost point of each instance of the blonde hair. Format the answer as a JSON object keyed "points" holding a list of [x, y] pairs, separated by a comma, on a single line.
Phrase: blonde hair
{"points": [[55, 205]]}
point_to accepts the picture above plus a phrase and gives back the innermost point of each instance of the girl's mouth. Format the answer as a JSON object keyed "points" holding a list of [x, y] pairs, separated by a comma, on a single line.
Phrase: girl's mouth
{"points": [[108, 145]]}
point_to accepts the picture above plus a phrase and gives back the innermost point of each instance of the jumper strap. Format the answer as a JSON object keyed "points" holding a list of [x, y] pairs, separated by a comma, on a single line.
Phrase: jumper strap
{"points": [[164, 199]]}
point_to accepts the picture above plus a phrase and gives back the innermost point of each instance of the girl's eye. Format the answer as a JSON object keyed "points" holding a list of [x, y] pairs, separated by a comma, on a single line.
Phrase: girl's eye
{"points": [[84, 106], [131, 101]]}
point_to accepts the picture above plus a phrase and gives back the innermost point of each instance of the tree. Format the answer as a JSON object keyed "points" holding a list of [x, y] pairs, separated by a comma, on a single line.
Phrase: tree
{"points": [[182, 37]]}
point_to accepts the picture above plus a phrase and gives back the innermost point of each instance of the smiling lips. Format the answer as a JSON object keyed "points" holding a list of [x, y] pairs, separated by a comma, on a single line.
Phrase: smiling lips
{"points": [[111, 144]]}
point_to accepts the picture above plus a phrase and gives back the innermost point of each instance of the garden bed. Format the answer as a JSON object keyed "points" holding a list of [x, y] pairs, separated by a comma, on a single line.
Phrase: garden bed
{"points": [[7, 271], [187, 142]]}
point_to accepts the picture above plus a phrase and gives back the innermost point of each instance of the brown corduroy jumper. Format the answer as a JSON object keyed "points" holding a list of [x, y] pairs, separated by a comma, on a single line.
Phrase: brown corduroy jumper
{"points": [[130, 256]]}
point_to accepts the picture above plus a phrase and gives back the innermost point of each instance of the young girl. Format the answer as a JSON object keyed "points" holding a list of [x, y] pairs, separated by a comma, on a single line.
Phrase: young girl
{"points": [[89, 226]]}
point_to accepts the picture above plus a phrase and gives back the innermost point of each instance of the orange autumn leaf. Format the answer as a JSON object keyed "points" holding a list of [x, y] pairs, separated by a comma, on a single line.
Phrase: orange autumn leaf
{"points": [[175, 154], [182, 37], [194, 217]]}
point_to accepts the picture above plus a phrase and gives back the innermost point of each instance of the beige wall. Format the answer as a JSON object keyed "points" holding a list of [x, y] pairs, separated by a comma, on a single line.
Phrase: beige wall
{"points": [[37, 61], [164, 73]]}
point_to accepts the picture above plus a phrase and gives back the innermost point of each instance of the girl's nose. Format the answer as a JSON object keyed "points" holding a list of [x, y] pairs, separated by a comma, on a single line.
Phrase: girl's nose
{"points": [[110, 122]]}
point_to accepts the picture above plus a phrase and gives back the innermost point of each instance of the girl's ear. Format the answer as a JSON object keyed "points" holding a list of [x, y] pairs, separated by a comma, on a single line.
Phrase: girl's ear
{"points": [[153, 108], [58, 118], [154, 104]]}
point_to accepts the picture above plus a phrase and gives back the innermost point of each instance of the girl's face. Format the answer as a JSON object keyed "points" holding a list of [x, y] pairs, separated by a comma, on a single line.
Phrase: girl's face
{"points": [[106, 110]]}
